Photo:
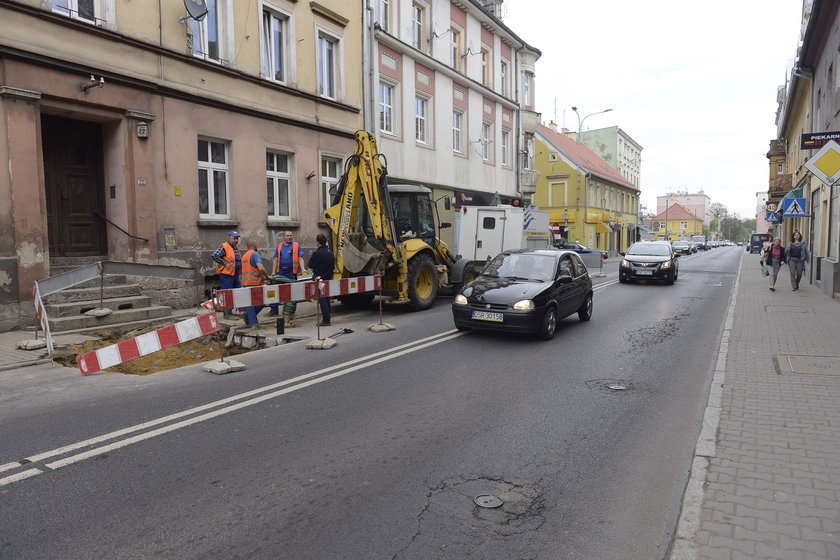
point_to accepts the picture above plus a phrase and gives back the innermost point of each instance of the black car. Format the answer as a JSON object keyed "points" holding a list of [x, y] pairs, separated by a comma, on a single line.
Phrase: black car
{"points": [[682, 247], [649, 260], [525, 291]]}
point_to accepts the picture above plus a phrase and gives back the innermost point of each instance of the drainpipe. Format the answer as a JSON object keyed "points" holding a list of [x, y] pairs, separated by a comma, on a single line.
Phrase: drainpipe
{"points": [[518, 148], [369, 67]]}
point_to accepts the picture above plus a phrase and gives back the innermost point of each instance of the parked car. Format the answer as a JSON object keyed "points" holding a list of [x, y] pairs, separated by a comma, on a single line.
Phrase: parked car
{"points": [[682, 247], [525, 291], [577, 247], [649, 260]]}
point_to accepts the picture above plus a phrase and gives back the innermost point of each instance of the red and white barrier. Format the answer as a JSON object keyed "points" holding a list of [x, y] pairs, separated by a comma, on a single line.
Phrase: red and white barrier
{"points": [[148, 343], [41, 313], [298, 291]]}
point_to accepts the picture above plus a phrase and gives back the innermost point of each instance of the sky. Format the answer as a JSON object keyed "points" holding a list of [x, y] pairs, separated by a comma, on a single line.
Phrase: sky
{"points": [[694, 83]]}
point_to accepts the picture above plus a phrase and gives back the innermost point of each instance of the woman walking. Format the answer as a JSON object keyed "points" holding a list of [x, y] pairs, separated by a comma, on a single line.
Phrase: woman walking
{"points": [[796, 255], [773, 257]]}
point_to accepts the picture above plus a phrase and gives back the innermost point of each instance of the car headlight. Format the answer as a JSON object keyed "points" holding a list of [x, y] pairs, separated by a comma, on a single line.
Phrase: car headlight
{"points": [[666, 264], [460, 300], [524, 305], [624, 263]]}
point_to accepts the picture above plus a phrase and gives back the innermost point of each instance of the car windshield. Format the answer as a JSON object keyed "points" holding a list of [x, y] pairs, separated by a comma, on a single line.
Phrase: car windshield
{"points": [[649, 250], [521, 267]]}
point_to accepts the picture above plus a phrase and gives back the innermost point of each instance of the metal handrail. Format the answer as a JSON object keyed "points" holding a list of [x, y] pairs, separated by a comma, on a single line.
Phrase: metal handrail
{"points": [[119, 228]]}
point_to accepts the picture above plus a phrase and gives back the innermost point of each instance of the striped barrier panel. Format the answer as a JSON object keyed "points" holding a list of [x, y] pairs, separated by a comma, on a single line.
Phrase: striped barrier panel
{"points": [[148, 343], [299, 291]]}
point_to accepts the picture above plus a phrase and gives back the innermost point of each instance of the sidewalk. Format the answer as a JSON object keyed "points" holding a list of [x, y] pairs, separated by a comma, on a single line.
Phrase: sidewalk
{"points": [[765, 479]]}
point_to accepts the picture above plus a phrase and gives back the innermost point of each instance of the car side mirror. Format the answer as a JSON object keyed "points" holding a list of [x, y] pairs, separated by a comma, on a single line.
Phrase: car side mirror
{"points": [[565, 279], [676, 255], [444, 225], [622, 253]]}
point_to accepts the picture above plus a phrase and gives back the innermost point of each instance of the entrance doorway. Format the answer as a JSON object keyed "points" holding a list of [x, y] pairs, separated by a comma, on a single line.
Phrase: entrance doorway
{"points": [[74, 186]]}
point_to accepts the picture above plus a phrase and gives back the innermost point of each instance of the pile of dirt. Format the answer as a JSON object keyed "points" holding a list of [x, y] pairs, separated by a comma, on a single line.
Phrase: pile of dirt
{"points": [[196, 351]]}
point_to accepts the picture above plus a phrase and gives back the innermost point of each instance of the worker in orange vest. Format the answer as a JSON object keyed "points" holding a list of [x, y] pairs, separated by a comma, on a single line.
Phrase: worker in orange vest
{"points": [[253, 274], [229, 265], [288, 262]]}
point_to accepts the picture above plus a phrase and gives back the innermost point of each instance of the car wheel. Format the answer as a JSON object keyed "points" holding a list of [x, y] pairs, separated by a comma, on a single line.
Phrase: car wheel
{"points": [[549, 324], [585, 311], [671, 280], [622, 279]]}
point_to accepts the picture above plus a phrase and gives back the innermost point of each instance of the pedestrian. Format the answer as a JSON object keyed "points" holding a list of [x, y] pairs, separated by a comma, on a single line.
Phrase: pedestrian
{"points": [[288, 263], [322, 263], [774, 257], [796, 255], [253, 274], [229, 265]]}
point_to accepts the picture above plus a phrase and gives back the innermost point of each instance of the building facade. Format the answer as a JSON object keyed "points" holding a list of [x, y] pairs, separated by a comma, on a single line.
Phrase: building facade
{"points": [[697, 204], [452, 101], [588, 200], [617, 148], [676, 223]]}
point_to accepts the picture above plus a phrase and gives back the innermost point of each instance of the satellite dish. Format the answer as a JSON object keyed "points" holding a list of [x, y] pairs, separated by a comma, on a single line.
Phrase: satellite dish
{"points": [[196, 8]]}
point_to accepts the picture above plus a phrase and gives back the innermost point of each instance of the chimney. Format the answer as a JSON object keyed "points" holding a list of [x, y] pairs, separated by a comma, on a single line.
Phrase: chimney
{"points": [[553, 126]]}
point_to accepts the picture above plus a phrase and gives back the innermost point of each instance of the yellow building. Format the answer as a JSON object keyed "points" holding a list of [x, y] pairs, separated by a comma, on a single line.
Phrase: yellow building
{"points": [[676, 223], [588, 200]]}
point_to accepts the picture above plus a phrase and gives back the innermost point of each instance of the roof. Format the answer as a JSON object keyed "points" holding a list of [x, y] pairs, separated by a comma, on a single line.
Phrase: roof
{"points": [[676, 212], [582, 156]]}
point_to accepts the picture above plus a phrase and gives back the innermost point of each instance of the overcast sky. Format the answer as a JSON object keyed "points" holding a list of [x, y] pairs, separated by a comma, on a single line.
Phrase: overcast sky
{"points": [[693, 82]]}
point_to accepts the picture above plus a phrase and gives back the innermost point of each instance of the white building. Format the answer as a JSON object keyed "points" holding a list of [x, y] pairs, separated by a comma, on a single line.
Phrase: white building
{"points": [[698, 204]]}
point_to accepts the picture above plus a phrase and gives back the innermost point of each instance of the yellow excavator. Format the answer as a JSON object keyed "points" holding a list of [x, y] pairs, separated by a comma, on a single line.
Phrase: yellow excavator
{"points": [[391, 230]]}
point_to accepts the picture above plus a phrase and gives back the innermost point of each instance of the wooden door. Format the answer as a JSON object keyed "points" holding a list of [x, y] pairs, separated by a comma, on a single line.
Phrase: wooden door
{"points": [[74, 185]]}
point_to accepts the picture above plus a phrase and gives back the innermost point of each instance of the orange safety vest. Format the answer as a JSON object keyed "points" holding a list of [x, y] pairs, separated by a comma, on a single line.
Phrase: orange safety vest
{"points": [[251, 275], [295, 258], [229, 267]]}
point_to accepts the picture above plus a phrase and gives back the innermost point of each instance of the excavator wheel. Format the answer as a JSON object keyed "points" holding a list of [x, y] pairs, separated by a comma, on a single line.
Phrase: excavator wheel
{"points": [[422, 282]]}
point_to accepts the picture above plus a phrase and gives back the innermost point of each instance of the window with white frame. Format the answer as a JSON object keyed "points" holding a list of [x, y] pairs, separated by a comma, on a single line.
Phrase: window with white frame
{"points": [[486, 140], [327, 60], [278, 189], [503, 78], [458, 131], [421, 119], [505, 147], [275, 45], [527, 82], [386, 107], [78, 9], [528, 153], [213, 172], [207, 33], [455, 49], [418, 14], [683, 225], [330, 174], [383, 8], [486, 67]]}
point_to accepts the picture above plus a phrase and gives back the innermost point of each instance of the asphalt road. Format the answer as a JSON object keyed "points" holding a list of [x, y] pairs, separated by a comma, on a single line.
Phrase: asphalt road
{"points": [[377, 448]]}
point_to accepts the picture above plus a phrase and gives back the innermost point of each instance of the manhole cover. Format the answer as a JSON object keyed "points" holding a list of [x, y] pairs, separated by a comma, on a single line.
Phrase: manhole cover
{"points": [[788, 309], [818, 365], [487, 501]]}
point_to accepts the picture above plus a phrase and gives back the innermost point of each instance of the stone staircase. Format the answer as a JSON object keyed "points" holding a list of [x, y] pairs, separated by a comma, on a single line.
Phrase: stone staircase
{"points": [[131, 309]]}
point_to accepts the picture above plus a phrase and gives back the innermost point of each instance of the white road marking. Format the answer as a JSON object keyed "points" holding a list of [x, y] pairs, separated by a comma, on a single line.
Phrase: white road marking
{"points": [[19, 476]]}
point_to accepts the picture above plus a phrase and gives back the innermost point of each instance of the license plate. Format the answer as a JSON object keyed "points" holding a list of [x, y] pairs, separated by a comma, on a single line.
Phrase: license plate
{"points": [[644, 272], [487, 316]]}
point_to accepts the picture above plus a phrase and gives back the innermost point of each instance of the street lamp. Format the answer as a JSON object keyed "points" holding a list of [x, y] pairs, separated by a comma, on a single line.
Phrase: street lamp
{"points": [[577, 158]]}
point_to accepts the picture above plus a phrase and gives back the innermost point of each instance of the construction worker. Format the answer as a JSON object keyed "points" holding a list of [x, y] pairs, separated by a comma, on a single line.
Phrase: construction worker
{"points": [[229, 265], [288, 263], [253, 274]]}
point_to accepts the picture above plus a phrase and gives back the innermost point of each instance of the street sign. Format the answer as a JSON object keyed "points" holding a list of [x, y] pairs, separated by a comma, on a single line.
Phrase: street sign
{"points": [[770, 207], [817, 139], [825, 164], [772, 217], [794, 207]]}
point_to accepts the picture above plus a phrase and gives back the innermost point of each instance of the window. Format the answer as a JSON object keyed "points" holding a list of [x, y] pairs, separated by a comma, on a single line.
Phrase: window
{"points": [[683, 225], [454, 49], [485, 141], [277, 183], [421, 114], [506, 147], [206, 38], [274, 46], [327, 69], [386, 108], [458, 132], [77, 9], [486, 67], [778, 168], [528, 153], [503, 78], [417, 14], [212, 178], [382, 12], [527, 78], [330, 173]]}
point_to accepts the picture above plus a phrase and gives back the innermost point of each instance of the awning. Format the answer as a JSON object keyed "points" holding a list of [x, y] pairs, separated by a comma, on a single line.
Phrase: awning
{"points": [[601, 228], [644, 228], [561, 217], [794, 193]]}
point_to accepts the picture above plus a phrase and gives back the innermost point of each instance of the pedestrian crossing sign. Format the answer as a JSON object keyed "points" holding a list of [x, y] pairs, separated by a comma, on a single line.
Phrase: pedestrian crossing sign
{"points": [[794, 208], [772, 217]]}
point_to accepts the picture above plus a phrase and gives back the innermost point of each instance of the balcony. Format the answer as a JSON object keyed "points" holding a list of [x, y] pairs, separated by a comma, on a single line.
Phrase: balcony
{"points": [[530, 121], [528, 181]]}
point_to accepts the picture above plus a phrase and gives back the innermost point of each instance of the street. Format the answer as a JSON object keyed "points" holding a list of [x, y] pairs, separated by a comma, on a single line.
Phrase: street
{"points": [[377, 448]]}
